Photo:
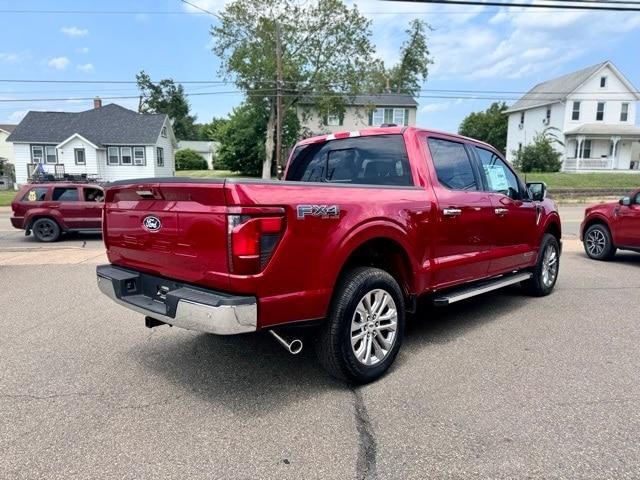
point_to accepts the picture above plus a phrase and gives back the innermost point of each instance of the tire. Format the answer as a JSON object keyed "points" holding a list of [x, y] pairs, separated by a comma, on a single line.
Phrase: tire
{"points": [[46, 230], [379, 336], [598, 243], [545, 273]]}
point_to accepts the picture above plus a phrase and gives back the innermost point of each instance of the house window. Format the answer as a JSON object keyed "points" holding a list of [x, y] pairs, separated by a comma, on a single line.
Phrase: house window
{"points": [[377, 118], [163, 132], [37, 153], [624, 112], [50, 154], [113, 156], [611, 149], [600, 112], [575, 114], [160, 157], [548, 116], [333, 120], [586, 149], [138, 156], [78, 153], [603, 82], [575, 150], [522, 117], [399, 116], [125, 156]]}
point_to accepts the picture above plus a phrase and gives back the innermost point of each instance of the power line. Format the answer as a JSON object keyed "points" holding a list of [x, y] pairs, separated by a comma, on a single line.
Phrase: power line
{"points": [[633, 7], [213, 14]]}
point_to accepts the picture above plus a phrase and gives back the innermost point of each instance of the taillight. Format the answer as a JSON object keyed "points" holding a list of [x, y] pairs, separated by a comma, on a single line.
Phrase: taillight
{"points": [[252, 241]]}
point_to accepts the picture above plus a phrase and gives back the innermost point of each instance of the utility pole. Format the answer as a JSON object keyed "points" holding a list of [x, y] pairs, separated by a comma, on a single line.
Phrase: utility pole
{"points": [[279, 112]]}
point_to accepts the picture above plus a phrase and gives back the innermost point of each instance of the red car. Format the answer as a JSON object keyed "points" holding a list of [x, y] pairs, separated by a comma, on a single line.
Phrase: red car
{"points": [[612, 226], [363, 224], [51, 209]]}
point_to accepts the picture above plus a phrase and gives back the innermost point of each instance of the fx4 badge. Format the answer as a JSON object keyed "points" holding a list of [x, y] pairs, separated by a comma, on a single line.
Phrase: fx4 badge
{"points": [[322, 211]]}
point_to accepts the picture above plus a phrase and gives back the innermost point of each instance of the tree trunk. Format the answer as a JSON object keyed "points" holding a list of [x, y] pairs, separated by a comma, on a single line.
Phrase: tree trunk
{"points": [[269, 143]]}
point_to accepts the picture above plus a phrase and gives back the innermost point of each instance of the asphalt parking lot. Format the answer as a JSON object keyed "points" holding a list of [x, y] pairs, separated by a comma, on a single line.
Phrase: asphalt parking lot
{"points": [[501, 386]]}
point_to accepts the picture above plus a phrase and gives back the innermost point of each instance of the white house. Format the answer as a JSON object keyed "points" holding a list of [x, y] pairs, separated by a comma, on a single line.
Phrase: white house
{"points": [[361, 111], [207, 150], [6, 149], [106, 143], [594, 112]]}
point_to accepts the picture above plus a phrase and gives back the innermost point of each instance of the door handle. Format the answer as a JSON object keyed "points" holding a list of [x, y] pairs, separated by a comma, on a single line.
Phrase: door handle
{"points": [[501, 211], [451, 212]]}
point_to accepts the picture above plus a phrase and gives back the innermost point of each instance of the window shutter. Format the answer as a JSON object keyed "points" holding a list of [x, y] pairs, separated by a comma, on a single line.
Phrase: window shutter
{"points": [[341, 118], [406, 117], [325, 119], [370, 117]]}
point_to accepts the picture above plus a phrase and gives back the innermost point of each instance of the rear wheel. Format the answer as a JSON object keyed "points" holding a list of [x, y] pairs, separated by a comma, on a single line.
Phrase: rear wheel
{"points": [[598, 243], [363, 333], [46, 230], [545, 273]]}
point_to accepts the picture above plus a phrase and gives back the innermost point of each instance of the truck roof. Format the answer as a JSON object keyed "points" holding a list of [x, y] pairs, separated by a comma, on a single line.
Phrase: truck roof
{"points": [[385, 131]]}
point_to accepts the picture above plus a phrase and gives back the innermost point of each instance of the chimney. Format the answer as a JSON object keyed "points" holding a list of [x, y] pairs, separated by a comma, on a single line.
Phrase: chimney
{"points": [[97, 102]]}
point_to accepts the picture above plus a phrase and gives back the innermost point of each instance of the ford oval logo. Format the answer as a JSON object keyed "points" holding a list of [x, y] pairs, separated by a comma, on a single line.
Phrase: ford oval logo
{"points": [[151, 223]]}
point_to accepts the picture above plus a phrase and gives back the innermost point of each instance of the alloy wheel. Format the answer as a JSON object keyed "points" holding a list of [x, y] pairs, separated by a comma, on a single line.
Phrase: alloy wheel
{"points": [[596, 242], [549, 266], [373, 327]]}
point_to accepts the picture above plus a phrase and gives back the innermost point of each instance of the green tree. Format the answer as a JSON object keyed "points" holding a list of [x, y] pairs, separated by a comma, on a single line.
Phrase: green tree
{"points": [[326, 52], [210, 131], [489, 126], [188, 159], [539, 156], [167, 97]]}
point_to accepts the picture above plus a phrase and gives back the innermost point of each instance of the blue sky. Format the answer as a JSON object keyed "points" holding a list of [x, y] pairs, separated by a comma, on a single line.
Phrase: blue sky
{"points": [[474, 48]]}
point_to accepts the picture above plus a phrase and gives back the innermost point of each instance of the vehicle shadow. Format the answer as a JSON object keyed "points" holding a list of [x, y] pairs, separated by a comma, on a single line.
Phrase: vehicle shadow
{"points": [[252, 374], [621, 257]]}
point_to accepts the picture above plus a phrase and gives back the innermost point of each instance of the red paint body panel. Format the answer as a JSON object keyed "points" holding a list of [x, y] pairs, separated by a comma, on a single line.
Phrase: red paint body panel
{"points": [[298, 278], [70, 215], [623, 221]]}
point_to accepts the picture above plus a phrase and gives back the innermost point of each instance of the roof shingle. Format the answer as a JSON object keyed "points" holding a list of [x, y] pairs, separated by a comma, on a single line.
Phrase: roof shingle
{"points": [[111, 124]]}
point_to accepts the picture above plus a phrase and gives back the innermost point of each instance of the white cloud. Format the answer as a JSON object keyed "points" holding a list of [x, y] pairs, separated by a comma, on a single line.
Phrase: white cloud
{"points": [[440, 106], [10, 57], [59, 63], [86, 67], [74, 31], [83, 50], [17, 116]]}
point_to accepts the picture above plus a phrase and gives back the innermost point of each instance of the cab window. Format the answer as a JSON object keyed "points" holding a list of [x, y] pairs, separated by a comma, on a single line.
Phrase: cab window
{"points": [[498, 176], [452, 164], [36, 194], [65, 194]]}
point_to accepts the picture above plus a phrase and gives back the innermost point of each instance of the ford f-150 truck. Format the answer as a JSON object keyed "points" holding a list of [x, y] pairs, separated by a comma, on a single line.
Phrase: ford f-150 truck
{"points": [[362, 225]]}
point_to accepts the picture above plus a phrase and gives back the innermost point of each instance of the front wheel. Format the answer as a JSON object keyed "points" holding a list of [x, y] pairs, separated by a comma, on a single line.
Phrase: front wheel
{"points": [[545, 273], [363, 333], [598, 243]]}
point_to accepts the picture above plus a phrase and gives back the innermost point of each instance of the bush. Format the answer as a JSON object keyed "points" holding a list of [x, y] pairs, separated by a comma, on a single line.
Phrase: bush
{"points": [[188, 159], [539, 156]]}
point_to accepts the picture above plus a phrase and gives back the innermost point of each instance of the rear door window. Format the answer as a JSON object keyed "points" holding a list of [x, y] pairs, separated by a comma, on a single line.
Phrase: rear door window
{"points": [[65, 194], [92, 194], [371, 160], [36, 194], [498, 176], [453, 165]]}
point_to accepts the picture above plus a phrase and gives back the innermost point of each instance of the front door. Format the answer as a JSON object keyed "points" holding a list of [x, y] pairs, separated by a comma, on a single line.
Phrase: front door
{"points": [[628, 223], [515, 217], [463, 235]]}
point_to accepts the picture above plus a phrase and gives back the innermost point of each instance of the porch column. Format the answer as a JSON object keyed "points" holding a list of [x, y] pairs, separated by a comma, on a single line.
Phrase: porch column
{"points": [[580, 140], [614, 155]]}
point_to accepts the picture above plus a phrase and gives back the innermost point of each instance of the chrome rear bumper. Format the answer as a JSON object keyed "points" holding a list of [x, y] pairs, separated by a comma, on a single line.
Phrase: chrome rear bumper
{"points": [[178, 304]]}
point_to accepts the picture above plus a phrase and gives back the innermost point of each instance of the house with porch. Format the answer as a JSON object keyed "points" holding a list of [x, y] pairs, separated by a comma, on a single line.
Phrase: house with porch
{"points": [[105, 143], [592, 111]]}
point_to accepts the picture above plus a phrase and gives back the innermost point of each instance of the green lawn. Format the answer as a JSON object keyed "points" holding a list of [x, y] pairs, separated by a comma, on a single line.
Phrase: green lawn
{"points": [[209, 174], [586, 180], [6, 197]]}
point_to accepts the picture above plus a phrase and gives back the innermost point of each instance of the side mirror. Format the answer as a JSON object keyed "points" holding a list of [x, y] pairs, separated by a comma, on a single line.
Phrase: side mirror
{"points": [[537, 190], [625, 201]]}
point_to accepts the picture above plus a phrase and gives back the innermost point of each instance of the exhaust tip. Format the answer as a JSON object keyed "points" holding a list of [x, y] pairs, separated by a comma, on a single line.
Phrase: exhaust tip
{"points": [[295, 347]]}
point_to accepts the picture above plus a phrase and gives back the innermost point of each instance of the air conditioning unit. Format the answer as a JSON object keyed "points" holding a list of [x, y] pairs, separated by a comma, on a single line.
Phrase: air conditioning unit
{"points": [[521, 126], [545, 121]]}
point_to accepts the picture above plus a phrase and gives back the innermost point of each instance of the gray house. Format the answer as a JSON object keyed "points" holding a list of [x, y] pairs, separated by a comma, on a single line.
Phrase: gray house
{"points": [[107, 142], [361, 111]]}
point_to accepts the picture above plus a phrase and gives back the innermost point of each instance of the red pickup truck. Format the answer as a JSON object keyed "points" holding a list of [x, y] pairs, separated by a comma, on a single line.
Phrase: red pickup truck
{"points": [[363, 224]]}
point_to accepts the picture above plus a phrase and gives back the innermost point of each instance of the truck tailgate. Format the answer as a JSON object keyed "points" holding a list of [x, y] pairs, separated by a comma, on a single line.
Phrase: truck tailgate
{"points": [[175, 229]]}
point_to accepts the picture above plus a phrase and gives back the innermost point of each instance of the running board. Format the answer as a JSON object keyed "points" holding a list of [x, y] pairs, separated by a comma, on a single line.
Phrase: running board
{"points": [[479, 288]]}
